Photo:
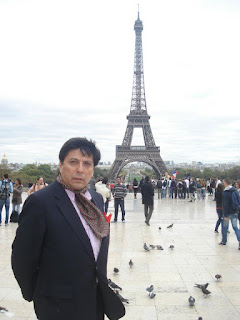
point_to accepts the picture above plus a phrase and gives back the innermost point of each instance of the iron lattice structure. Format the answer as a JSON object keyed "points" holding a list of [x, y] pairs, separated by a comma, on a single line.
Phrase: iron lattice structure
{"points": [[138, 118]]}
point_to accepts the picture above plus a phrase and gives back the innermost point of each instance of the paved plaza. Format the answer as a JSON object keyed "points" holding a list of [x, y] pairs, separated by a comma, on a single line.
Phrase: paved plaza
{"points": [[196, 258]]}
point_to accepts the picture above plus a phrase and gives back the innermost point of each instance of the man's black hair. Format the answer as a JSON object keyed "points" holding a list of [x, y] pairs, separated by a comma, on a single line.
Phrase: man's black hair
{"points": [[5, 175], [83, 145]]}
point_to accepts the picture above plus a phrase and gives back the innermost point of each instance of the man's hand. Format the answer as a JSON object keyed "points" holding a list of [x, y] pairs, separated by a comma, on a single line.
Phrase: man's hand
{"points": [[225, 219]]}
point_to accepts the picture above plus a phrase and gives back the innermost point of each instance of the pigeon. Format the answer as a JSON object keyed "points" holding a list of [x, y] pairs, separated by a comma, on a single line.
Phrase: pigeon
{"points": [[116, 270], [171, 225], [121, 298], [150, 289], [218, 276], [113, 285], [151, 294], [171, 246], [191, 301], [152, 246], [131, 263], [159, 247], [6, 312], [200, 318], [159, 228], [3, 310], [205, 292], [146, 247], [200, 286]]}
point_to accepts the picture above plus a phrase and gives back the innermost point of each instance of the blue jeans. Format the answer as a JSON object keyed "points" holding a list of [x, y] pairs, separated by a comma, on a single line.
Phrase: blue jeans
{"points": [[170, 193], [14, 208], [106, 205], [119, 202], [5, 203], [225, 224], [163, 193], [220, 217]]}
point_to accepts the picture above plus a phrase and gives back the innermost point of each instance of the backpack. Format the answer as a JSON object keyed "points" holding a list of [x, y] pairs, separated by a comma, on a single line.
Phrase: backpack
{"points": [[159, 184], [235, 201], [164, 183], [14, 217], [184, 184], [5, 190]]}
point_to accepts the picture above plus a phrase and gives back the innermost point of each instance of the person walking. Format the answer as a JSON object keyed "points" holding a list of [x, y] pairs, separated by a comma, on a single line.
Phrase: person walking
{"points": [[60, 252], [147, 199], [119, 193], [231, 203], [6, 188], [17, 196], [218, 197]]}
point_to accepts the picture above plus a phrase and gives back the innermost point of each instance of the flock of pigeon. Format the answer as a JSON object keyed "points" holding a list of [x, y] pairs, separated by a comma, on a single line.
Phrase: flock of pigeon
{"points": [[150, 289]]}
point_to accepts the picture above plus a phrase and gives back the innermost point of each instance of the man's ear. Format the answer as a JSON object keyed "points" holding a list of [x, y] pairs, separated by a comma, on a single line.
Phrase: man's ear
{"points": [[60, 166]]}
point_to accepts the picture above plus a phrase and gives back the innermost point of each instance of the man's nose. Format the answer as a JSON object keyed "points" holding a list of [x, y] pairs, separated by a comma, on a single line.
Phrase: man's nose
{"points": [[80, 167]]}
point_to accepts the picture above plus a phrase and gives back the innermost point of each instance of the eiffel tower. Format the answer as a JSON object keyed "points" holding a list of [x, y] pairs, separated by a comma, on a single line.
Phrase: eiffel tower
{"points": [[138, 118]]}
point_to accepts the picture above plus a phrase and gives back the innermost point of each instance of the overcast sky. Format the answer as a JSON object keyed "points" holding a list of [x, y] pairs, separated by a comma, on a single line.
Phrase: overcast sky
{"points": [[66, 69]]}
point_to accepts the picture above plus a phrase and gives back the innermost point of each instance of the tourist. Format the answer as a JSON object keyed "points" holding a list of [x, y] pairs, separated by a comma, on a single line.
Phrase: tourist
{"points": [[173, 188], [37, 186], [159, 187], [17, 196], [101, 187], [6, 188], [237, 186], [147, 199], [229, 213], [218, 197], [199, 188], [119, 193], [203, 189], [164, 187], [135, 187], [60, 251], [192, 189]]}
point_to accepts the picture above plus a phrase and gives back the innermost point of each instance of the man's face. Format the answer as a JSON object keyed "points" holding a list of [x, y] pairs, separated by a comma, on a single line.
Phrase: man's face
{"points": [[40, 181], [118, 180], [77, 169]]}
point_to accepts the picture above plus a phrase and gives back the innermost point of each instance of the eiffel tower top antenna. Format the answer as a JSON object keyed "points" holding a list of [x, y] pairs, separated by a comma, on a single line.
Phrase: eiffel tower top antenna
{"points": [[138, 11]]}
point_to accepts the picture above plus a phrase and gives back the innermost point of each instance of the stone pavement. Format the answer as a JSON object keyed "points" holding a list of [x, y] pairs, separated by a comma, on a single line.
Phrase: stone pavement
{"points": [[196, 257]]}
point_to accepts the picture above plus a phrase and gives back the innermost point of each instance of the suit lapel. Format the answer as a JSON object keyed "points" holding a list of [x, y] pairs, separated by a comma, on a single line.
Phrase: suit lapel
{"points": [[68, 211]]}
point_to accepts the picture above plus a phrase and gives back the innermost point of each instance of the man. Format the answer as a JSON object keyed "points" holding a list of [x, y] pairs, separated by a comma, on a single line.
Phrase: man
{"points": [[119, 193], [192, 189], [147, 199], [159, 187], [59, 255], [230, 211], [6, 187]]}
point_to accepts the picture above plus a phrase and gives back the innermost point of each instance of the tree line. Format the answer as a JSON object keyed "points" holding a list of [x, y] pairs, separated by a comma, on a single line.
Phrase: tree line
{"points": [[30, 173]]}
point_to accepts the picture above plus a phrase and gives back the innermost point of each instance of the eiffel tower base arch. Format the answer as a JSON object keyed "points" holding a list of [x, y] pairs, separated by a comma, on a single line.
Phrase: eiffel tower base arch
{"points": [[149, 155]]}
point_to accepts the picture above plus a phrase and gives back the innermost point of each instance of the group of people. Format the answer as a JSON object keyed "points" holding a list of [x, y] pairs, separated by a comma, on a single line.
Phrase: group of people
{"points": [[187, 187], [7, 187]]}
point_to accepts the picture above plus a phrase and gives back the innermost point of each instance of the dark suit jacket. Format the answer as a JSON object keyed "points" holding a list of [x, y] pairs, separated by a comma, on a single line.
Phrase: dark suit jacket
{"points": [[147, 193], [53, 260]]}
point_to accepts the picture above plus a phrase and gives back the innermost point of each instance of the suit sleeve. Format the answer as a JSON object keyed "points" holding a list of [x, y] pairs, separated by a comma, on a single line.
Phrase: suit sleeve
{"points": [[27, 246]]}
